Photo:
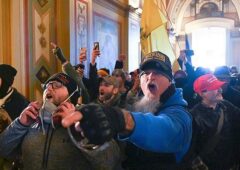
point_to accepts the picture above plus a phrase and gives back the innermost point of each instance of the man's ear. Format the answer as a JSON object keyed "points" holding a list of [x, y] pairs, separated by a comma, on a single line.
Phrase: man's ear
{"points": [[115, 90]]}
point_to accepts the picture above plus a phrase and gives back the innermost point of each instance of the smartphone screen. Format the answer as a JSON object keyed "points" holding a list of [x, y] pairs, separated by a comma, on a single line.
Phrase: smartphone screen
{"points": [[96, 45]]}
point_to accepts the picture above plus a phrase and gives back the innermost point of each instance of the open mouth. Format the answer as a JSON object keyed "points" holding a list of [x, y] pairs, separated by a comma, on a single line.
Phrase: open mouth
{"points": [[48, 96], [101, 93], [152, 87]]}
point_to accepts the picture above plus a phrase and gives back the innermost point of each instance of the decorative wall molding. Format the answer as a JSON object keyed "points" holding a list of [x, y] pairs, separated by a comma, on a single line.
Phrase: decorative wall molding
{"points": [[40, 25], [114, 5], [42, 3]]}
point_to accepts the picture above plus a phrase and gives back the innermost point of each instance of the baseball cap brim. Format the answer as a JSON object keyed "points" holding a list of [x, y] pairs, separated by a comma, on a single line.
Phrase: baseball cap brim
{"points": [[109, 80], [216, 85]]}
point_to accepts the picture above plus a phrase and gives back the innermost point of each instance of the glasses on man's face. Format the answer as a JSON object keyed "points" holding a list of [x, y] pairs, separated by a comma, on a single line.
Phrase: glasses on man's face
{"points": [[54, 84]]}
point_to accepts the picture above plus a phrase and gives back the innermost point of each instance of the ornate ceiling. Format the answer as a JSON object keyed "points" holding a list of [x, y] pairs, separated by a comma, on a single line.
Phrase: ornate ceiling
{"points": [[181, 12]]}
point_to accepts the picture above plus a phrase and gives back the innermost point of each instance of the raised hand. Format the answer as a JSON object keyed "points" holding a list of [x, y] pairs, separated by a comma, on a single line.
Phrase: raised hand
{"points": [[30, 113], [122, 57], [98, 124], [58, 53], [95, 54], [183, 56], [82, 55], [62, 111]]}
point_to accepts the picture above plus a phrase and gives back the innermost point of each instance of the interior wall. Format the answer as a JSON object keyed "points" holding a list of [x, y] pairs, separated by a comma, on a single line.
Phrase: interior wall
{"points": [[62, 26], [5, 31], [177, 11], [115, 15], [18, 56], [134, 52], [234, 51], [30, 25], [1, 32], [112, 11]]}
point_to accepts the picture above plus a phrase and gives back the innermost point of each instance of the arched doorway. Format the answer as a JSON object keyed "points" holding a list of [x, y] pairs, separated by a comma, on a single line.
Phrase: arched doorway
{"points": [[210, 37], [214, 13]]}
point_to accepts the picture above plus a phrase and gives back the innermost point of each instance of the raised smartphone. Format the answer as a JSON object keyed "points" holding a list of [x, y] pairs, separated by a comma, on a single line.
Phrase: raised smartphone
{"points": [[96, 45]]}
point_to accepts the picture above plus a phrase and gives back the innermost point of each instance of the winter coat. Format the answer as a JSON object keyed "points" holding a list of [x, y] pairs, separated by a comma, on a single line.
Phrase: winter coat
{"points": [[225, 152]]}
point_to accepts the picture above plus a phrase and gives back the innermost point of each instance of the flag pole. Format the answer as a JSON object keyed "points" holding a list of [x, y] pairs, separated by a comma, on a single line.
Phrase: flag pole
{"points": [[150, 42]]}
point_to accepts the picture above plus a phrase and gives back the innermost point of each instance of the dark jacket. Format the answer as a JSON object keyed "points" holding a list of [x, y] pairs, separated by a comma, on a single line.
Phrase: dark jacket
{"points": [[225, 153], [93, 82], [15, 104], [232, 95], [54, 150]]}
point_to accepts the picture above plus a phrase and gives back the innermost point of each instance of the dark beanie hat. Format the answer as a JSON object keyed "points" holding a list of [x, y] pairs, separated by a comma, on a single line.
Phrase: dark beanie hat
{"points": [[222, 71], [67, 81], [159, 61], [7, 74]]}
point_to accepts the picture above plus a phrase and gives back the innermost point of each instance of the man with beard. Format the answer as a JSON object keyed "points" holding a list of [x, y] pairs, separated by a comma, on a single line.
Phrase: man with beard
{"points": [[217, 125], [109, 91], [159, 128], [43, 143]]}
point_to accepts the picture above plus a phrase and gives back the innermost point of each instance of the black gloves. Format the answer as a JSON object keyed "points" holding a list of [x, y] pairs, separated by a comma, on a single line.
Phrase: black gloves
{"points": [[101, 124], [59, 54]]}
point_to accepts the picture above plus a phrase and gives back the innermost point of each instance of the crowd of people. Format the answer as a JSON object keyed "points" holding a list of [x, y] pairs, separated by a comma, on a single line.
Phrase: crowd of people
{"points": [[151, 118]]}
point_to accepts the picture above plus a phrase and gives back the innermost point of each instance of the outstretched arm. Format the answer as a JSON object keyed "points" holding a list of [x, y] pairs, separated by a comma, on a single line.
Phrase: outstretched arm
{"points": [[168, 132], [69, 70]]}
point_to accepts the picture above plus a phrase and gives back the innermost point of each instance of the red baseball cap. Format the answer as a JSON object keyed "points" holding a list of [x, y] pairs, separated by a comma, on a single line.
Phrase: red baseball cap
{"points": [[207, 82]]}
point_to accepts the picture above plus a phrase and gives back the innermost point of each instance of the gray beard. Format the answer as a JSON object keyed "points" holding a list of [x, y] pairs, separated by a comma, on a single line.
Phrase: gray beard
{"points": [[146, 105]]}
